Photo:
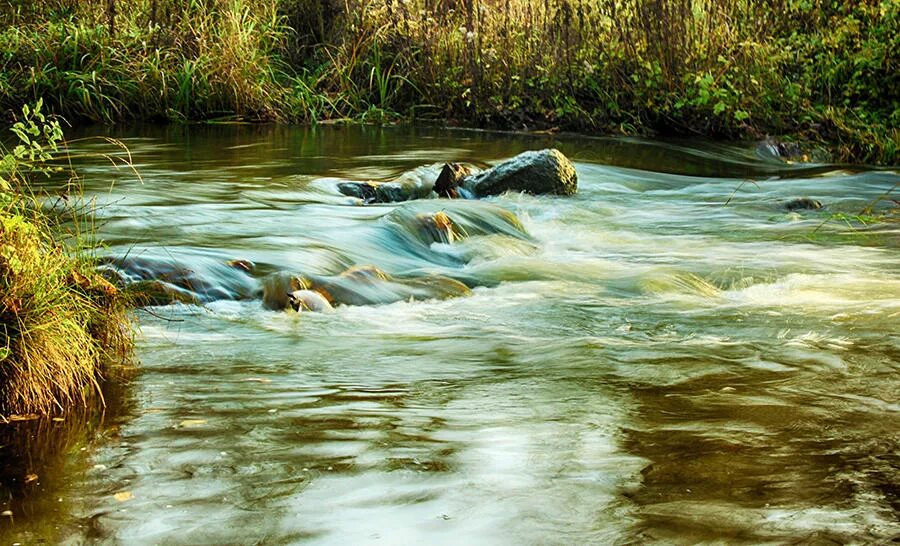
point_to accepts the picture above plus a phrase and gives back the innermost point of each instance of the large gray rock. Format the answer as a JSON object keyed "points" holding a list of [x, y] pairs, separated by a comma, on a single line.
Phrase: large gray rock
{"points": [[540, 172]]}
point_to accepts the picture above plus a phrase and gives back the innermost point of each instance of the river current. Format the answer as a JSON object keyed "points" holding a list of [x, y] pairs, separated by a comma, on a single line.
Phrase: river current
{"points": [[668, 356]]}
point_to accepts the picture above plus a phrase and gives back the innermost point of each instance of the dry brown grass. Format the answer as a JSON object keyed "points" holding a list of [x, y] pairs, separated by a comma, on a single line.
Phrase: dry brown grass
{"points": [[60, 321]]}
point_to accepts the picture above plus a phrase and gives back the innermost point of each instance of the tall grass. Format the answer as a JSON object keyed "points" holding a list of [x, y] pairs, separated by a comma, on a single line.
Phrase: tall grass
{"points": [[819, 69], [824, 70], [159, 60], [60, 322]]}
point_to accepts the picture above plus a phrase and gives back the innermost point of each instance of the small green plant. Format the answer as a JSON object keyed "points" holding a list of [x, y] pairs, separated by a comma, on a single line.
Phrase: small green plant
{"points": [[38, 139]]}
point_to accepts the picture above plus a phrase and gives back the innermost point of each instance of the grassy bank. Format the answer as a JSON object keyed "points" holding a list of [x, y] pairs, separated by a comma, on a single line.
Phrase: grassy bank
{"points": [[821, 70], [61, 323]]}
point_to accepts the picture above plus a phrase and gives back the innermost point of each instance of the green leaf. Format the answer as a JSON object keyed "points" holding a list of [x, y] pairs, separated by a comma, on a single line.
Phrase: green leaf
{"points": [[719, 108]]}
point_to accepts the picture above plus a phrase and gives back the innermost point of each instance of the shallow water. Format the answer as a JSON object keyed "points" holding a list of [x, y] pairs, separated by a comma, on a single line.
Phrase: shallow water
{"points": [[668, 356]]}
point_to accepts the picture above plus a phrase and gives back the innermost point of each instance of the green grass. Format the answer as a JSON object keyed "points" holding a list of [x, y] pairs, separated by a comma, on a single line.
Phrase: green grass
{"points": [[208, 63], [816, 70], [61, 323], [812, 70]]}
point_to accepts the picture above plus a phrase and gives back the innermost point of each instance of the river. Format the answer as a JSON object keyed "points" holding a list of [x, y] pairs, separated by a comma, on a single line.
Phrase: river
{"points": [[667, 356]]}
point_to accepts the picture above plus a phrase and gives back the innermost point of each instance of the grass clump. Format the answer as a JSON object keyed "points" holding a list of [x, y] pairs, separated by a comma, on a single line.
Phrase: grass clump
{"points": [[61, 323], [147, 60]]}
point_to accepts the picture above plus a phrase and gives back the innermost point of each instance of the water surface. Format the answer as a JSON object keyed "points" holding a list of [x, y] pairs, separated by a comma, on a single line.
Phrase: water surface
{"points": [[668, 356]]}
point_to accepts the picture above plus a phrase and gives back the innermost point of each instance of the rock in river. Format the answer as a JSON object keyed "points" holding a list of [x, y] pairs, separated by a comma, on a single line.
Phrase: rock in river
{"points": [[382, 192], [448, 182], [539, 172], [308, 300], [362, 285], [803, 203]]}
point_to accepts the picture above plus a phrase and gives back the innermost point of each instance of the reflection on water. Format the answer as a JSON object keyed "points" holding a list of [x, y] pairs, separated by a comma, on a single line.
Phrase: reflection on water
{"points": [[41, 459], [669, 355]]}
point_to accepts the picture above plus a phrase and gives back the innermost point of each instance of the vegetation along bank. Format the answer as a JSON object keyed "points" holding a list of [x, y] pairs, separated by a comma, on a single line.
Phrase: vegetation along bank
{"points": [[826, 71], [63, 328]]}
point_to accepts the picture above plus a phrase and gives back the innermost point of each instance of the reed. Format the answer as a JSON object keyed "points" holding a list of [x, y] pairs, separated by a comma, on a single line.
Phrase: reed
{"points": [[818, 70]]}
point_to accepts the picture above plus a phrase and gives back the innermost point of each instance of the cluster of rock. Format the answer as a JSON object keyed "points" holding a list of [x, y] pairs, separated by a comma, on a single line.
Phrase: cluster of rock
{"points": [[159, 281], [544, 172]]}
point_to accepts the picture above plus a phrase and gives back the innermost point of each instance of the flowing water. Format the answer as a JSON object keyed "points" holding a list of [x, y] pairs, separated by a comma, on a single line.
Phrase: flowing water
{"points": [[668, 356]]}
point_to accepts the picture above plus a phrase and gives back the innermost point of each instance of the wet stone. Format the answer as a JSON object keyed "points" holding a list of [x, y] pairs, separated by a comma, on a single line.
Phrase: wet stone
{"points": [[360, 190], [381, 192], [308, 300], [803, 203], [538, 172], [451, 177]]}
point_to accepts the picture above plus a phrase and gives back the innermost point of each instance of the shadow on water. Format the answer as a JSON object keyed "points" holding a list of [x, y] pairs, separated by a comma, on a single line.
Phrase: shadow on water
{"points": [[41, 459], [746, 468], [383, 153]]}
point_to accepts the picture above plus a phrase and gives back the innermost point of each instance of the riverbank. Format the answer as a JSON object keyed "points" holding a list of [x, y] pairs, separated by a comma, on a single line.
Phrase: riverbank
{"points": [[61, 323], [818, 72]]}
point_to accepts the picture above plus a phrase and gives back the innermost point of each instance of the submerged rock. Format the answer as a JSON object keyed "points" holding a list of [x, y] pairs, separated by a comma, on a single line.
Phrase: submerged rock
{"points": [[791, 152], [438, 228], [162, 280], [364, 285], [803, 203], [360, 190], [384, 192], [538, 172], [785, 150]]}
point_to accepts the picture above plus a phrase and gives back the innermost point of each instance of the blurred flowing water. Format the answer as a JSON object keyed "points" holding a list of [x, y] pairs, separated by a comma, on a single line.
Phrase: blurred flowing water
{"points": [[668, 356]]}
